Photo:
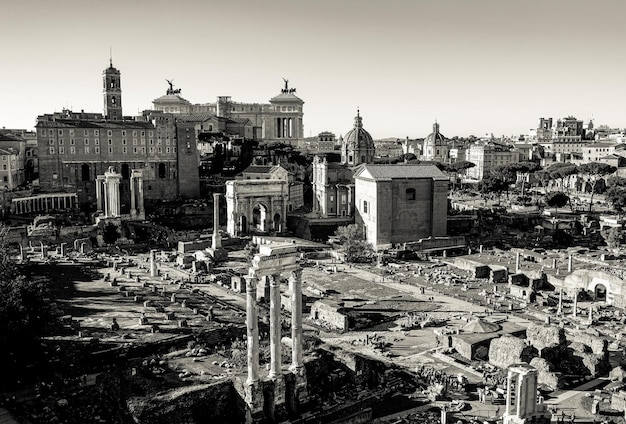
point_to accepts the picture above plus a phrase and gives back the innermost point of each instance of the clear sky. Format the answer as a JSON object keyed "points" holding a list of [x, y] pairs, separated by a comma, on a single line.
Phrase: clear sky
{"points": [[476, 66]]}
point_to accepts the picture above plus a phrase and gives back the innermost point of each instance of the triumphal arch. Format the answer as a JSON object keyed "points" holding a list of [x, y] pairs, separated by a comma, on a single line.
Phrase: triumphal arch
{"points": [[256, 206]]}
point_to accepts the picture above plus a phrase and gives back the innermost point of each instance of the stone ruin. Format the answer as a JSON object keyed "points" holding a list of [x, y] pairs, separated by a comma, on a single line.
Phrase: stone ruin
{"points": [[553, 352], [522, 404]]}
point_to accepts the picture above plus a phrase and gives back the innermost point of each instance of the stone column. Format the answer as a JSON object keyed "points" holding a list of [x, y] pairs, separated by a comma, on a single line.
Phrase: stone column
{"points": [[520, 396], [142, 212], [517, 264], [275, 327], [570, 263], [575, 311], [217, 240], [295, 281], [43, 250], [444, 414], [153, 267], [113, 186], [252, 389], [559, 310], [133, 193], [105, 199], [63, 248]]}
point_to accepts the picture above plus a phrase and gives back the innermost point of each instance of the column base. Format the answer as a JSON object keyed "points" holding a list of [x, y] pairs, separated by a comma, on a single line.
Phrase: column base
{"points": [[279, 389], [253, 395], [301, 391]]}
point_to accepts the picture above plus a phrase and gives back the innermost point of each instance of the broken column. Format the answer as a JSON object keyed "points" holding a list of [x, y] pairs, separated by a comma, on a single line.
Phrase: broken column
{"points": [[570, 263], [63, 249], [253, 390], [43, 250]]}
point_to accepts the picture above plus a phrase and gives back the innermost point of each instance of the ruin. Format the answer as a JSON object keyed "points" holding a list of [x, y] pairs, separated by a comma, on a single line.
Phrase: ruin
{"points": [[273, 261], [522, 404]]}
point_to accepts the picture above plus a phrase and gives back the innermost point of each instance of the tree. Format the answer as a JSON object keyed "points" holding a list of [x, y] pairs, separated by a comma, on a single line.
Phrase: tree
{"points": [[23, 315], [498, 180], [592, 173], [354, 245], [557, 200], [616, 196], [110, 234], [614, 238], [456, 168]]}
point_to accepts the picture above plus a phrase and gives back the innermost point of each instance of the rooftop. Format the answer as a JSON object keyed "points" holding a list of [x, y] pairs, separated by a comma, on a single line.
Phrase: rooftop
{"points": [[387, 172]]}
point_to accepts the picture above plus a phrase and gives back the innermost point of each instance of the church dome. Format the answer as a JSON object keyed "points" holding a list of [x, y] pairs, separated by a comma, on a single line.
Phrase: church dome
{"points": [[358, 137], [435, 138]]}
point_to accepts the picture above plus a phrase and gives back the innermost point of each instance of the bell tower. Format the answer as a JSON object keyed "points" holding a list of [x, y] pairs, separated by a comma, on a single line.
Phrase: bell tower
{"points": [[112, 93]]}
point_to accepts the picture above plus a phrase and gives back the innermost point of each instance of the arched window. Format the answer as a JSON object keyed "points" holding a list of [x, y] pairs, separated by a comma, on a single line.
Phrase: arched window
{"points": [[161, 170], [85, 172], [410, 194]]}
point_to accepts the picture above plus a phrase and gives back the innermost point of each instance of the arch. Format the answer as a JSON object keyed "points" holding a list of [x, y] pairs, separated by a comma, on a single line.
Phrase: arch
{"points": [[600, 292], [29, 170], [243, 224], [259, 217], [162, 171], [277, 223], [125, 171], [85, 172]]}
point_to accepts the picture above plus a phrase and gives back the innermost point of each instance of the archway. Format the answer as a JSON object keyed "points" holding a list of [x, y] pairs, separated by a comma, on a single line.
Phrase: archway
{"points": [[85, 172], [276, 223], [243, 224], [29, 170], [259, 217], [600, 292], [125, 171]]}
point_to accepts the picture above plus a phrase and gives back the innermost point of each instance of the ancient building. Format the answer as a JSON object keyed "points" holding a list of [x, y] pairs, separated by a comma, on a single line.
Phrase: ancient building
{"points": [[256, 206], [522, 403], [400, 203], [357, 146], [295, 199], [74, 147]]}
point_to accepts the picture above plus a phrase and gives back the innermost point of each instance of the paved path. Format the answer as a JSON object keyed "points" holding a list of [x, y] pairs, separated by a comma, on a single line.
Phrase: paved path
{"points": [[567, 394]]}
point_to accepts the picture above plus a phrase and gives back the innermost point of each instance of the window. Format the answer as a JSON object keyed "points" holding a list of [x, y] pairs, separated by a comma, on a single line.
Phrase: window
{"points": [[51, 141], [143, 133], [71, 133], [110, 149], [143, 150], [134, 150], [123, 133], [410, 194], [72, 149], [51, 150], [174, 149], [4, 166], [61, 150], [134, 141], [167, 150], [60, 132], [85, 172], [124, 141], [86, 132], [151, 149], [110, 142], [60, 141], [160, 150], [143, 141], [71, 141], [96, 142], [167, 142], [87, 149], [161, 170], [96, 132], [364, 206], [134, 133], [51, 132], [109, 132], [86, 142], [344, 199], [332, 198], [149, 133]]}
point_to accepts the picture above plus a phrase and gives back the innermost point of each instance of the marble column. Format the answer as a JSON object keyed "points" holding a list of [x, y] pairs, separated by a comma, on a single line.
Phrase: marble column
{"points": [[153, 267], [275, 373], [133, 193], [575, 311], [63, 249], [142, 212], [295, 281], [217, 239], [99, 186], [105, 200], [113, 192], [517, 262], [570, 263], [252, 328], [509, 382]]}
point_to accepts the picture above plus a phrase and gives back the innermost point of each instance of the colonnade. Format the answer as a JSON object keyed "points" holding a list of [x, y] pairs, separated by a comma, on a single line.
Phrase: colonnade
{"points": [[44, 203], [284, 128], [108, 199], [522, 404]]}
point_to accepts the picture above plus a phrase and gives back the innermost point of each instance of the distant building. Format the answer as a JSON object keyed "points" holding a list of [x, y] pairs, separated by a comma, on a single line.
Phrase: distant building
{"points": [[75, 147], [357, 146], [594, 152], [11, 175], [400, 203], [278, 120], [333, 189], [487, 156], [435, 147]]}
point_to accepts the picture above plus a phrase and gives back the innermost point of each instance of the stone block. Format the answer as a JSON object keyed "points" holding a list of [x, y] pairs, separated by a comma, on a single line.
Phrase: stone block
{"points": [[545, 375], [543, 336], [509, 350]]}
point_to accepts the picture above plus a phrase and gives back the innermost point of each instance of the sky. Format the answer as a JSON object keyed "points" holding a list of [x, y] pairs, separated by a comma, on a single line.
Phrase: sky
{"points": [[475, 66]]}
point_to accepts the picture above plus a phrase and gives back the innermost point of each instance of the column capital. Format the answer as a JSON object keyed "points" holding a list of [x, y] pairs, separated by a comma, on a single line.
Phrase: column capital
{"points": [[296, 274], [251, 283]]}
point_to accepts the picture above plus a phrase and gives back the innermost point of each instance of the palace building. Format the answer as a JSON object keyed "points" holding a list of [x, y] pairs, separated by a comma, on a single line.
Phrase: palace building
{"points": [[75, 147]]}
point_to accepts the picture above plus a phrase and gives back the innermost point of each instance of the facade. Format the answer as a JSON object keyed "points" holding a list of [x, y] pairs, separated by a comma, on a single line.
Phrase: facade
{"points": [[74, 147], [487, 156], [400, 203], [278, 120], [333, 189], [256, 206], [278, 172], [14, 144], [435, 147], [357, 146], [11, 174], [594, 152]]}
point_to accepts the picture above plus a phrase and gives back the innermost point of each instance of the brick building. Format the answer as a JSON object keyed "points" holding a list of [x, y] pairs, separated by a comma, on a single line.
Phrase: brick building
{"points": [[75, 147], [400, 203]]}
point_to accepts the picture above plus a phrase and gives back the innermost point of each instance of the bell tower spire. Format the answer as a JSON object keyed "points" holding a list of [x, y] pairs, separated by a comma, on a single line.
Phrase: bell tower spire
{"points": [[112, 92]]}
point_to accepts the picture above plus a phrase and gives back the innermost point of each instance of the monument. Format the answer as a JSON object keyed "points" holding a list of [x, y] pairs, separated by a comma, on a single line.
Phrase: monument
{"points": [[274, 260]]}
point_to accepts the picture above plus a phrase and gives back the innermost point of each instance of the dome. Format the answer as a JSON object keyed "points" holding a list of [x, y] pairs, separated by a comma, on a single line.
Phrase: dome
{"points": [[358, 137], [435, 138], [481, 326]]}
